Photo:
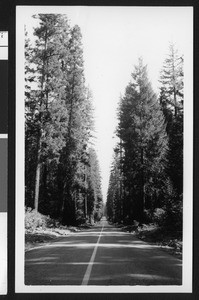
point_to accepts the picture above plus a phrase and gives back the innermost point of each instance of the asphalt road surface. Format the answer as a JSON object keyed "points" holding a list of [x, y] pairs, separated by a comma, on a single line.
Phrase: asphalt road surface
{"points": [[103, 255]]}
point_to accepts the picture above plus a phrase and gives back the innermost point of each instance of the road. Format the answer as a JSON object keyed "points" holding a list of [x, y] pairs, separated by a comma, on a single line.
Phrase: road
{"points": [[103, 255]]}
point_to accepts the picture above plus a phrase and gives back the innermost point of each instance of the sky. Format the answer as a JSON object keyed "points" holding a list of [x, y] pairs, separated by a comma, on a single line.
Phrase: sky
{"points": [[113, 39]]}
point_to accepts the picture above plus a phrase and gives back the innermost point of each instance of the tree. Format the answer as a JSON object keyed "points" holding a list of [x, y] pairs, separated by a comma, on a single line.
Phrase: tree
{"points": [[42, 100], [78, 103], [94, 194], [141, 131], [59, 119], [114, 196], [171, 100], [172, 85]]}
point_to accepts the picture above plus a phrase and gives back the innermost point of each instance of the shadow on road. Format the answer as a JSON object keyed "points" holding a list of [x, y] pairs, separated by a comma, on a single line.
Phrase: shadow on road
{"points": [[121, 259]]}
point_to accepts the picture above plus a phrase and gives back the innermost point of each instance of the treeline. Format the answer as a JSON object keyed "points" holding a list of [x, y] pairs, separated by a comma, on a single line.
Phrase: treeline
{"points": [[146, 180], [62, 177]]}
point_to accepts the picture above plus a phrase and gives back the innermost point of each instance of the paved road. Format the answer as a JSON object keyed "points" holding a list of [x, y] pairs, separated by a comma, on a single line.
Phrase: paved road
{"points": [[103, 255]]}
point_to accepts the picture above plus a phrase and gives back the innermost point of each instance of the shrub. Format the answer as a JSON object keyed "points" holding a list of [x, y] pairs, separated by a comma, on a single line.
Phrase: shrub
{"points": [[148, 216], [97, 216], [174, 209], [173, 206], [80, 217], [159, 216], [52, 222], [34, 219]]}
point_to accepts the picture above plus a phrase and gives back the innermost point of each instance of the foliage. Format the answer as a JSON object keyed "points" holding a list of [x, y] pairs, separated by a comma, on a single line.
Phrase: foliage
{"points": [[114, 205], [59, 122], [141, 151], [159, 216], [34, 220], [146, 180], [95, 204], [171, 100]]}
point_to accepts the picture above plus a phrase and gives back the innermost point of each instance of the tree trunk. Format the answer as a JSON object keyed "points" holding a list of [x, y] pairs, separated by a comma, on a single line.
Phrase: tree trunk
{"points": [[142, 186], [121, 191], [37, 182], [85, 206], [38, 168], [175, 102]]}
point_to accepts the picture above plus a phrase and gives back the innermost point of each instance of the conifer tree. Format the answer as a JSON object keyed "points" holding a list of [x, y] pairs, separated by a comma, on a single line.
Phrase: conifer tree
{"points": [[62, 174], [172, 85], [143, 138], [43, 104], [114, 196], [94, 196], [171, 100], [78, 103]]}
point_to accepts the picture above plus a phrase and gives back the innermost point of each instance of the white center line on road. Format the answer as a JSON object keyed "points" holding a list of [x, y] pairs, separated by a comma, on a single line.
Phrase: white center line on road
{"points": [[90, 264]]}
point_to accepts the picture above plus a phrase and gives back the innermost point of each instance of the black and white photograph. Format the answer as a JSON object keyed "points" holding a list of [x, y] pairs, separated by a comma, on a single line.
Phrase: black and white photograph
{"points": [[104, 149]]}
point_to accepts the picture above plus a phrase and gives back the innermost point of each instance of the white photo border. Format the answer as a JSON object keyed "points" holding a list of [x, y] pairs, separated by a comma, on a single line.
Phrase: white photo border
{"points": [[20, 287]]}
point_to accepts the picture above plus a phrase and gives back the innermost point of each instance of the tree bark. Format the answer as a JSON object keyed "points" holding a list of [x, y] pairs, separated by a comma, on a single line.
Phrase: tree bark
{"points": [[38, 168], [142, 186], [37, 182], [85, 206]]}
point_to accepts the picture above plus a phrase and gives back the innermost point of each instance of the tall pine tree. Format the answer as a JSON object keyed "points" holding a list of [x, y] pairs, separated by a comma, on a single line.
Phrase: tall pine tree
{"points": [[143, 139], [171, 100], [42, 101], [59, 121]]}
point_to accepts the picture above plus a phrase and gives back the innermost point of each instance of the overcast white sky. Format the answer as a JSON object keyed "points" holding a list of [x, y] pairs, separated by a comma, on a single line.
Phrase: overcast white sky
{"points": [[113, 39]]}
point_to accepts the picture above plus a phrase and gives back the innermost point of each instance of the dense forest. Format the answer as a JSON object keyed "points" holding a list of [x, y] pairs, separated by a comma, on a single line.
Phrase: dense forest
{"points": [[62, 176], [146, 180]]}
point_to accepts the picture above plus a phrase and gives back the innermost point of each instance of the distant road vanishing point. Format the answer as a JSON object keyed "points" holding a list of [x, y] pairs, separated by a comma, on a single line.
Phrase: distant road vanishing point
{"points": [[103, 255]]}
